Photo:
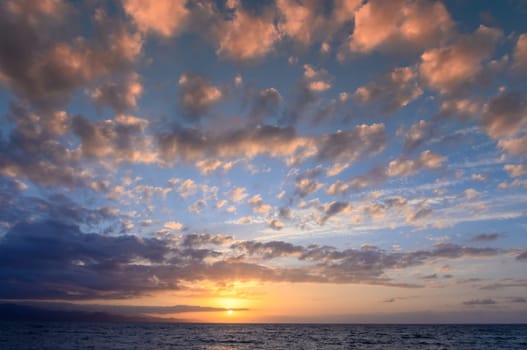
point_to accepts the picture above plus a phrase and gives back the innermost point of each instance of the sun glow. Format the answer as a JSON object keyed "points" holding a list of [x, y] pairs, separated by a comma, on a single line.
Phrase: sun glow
{"points": [[229, 312]]}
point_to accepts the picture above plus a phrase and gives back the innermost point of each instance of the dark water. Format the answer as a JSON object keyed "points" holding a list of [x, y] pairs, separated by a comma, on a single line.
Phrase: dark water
{"points": [[58, 336]]}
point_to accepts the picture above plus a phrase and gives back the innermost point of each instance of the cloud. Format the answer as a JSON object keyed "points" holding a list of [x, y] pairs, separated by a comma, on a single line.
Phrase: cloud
{"points": [[332, 209], [121, 96], [246, 36], [505, 115], [416, 135], [121, 139], [514, 146], [408, 167], [238, 194], [201, 239], [197, 95], [33, 152], [46, 71], [263, 103], [209, 166], [163, 17], [391, 91], [173, 225], [347, 146], [55, 260], [389, 25], [486, 237], [474, 302], [310, 21], [276, 224], [449, 68], [516, 170], [194, 145], [304, 186], [520, 53]]}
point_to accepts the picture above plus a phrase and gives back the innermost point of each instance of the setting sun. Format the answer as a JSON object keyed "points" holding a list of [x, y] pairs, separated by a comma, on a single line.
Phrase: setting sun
{"points": [[229, 312]]}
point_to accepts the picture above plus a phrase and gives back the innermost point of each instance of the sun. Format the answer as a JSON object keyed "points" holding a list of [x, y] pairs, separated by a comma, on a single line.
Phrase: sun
{"points": [[229, 312]]}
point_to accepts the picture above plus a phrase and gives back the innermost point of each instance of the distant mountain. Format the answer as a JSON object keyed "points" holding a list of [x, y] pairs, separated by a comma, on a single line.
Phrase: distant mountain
{"points": [[17, 312]]}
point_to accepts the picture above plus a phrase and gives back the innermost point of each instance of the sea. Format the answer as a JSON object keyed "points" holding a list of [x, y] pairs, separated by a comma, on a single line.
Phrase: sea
{"points": [[150, 336]]}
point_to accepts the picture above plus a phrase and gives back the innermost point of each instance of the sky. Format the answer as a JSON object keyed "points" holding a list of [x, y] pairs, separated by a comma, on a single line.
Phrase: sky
{"points": [[288, 160]]}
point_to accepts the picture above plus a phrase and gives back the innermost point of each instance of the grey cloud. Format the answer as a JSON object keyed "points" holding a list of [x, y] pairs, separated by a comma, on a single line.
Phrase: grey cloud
{"points": [[417, 135], [263, 103], [120, 96], [304, 187], [479, 302], [360, 142], [505, 114], [486, 237], [195, 239], [285, 213], [517, 300], [55, 260], [32, 151], [391, 91], [46, 71], [197, 96], [121, 139], [522, 256], [333, 209]]}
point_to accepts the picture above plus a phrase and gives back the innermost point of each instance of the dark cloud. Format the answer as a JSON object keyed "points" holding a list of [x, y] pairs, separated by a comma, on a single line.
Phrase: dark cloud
{"points": [[32, 150], [505, 114], [197, 96], [263, 103], [40, 64], [121, 139], [473, 302], [333, 209], [360, 142], [486, 237], [197, 239], [522, 256], [120, 96], [391, 91], [51, 259]]}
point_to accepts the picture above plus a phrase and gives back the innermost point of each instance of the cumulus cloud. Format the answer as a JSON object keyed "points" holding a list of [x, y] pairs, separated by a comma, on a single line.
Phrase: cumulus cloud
{"points": [[276, 224], [121, 139], [309, 20], [505, 115], [33, 152], [120, 96], [246, 36], [516, 170], [306, 186], [416, 135], [391, 91], [449, 68], [332, 209], [394, 25], [520, 53], [173, 225], [514, 146], [45, 71], [408, 167], [162, 17], [197, 95], [263, 103], [192, 145]]}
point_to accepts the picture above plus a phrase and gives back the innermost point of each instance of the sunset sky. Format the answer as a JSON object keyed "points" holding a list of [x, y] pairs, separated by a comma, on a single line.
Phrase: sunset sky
{"points": [[288, 160]]}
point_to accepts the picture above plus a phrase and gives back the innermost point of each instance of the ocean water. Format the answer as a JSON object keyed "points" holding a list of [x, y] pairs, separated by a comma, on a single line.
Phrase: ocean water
{"points": [[56, 336]]}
